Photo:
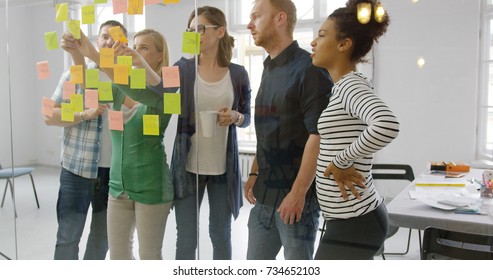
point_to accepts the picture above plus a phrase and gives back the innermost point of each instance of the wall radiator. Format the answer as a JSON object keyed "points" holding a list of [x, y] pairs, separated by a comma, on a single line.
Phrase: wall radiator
{"points": [[246, 160]]}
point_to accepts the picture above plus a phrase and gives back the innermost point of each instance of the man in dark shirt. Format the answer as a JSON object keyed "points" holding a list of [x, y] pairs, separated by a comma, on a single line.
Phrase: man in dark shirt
{"points": [[292, 95]]}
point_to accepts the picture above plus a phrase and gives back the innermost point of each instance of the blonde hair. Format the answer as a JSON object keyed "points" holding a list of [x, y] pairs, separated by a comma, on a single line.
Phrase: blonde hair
{"points": [[289, 8], [161, 45]]}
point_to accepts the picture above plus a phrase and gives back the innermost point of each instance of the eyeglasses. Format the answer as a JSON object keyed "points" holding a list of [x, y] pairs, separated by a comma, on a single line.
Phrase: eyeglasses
{"points": [[201, 28]]}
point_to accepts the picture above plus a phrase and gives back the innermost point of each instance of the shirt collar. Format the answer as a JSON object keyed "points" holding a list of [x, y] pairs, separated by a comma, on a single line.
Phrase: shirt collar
{"points": [[284, 56]]}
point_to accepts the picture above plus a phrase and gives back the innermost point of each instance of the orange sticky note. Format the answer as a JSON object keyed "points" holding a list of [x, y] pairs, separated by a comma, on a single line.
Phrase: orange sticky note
{"points": [[115, 119], [135, 7], [105, 91], [76, 75], [172, 103], [68, 89], [151, 124], [171, 76], [106, 57], [91, 98], [171, 1], [47, 106], [77, 100], [119, 6], [43, 70], [67, 112], [117, 34], [74, 28], [120, 74]]}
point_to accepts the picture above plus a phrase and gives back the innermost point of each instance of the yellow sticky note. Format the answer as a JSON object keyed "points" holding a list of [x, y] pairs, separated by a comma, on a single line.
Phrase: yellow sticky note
{"points": [[100, 1], [68, 89], [115, 119], [51, 40], [151, 124], [117, 34], [119, 6], [47, 106], [105, 91], [171, 76], [92, 78], [43, 70], [77, 100], [125, 60], [138, 78], [88, 15], [91, 98], [106, 57], [74, 28], [61, 12], [171, 1], [67, 112], [172, 103], [120, 74], [76, 75], [191, 42], [135, 7]]}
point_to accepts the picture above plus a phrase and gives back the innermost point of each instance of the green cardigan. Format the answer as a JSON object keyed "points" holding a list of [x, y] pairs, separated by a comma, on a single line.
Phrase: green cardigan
{"points": [[138, 161]]}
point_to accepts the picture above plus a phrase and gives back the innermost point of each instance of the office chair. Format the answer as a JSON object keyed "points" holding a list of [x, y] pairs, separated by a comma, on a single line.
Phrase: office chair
{"points": [[10, 173], [441, 244]]}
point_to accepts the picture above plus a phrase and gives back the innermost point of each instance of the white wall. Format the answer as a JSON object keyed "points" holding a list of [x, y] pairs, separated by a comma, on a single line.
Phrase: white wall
{"points": [[436, 105]]}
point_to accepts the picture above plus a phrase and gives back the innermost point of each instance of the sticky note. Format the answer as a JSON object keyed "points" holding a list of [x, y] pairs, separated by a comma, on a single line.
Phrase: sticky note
{"points": [[74, 28], [77, 100], [191, 42], [76, 75], [171, 76], [91, 98], [106, 57], [115, 119], [47, 106], [138, 78], [100, 1], [92, 78], [61, 12], [51, 40], [149, 2], [171, 1], [135, 7], [172, 103], [119, 6], [120, 74], [88, 14], [43, 70], [117, 34], [105, 91], [151, 124], [125, 60], [68, 89], [67, 112]]}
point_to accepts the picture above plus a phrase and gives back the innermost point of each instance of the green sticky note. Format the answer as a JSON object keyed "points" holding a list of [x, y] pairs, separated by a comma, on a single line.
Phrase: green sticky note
{"points": [[88, 15], [77, 101], [172, 103], [191, 43], [125, 60], [51, 40], [67, 112], [105, 91], [74, 28], [61, 12], [92, 78], [138, 78], [100, 1], [151, 124]]}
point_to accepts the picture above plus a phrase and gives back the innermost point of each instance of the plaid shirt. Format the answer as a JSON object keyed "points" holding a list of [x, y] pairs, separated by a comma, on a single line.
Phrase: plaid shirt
{"points": [[81, 142]]}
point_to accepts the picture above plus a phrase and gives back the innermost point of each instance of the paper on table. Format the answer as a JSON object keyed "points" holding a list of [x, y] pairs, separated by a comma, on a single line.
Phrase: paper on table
{"points": [[430, 180]]}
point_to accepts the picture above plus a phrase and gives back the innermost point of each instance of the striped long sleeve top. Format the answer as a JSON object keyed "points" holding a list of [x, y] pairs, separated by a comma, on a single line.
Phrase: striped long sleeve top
{"points": [[355, 125]]}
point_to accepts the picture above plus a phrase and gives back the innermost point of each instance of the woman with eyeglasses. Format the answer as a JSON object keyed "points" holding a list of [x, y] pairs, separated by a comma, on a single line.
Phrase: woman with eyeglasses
{"points": [[213, 162]]}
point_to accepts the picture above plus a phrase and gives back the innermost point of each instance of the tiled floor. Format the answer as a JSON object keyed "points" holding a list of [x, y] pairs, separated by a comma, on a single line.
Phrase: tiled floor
{"points": [[36, 228]]}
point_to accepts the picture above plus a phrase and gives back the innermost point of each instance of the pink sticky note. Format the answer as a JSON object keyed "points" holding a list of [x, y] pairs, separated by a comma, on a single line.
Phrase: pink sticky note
{"points": [[43, 70], [115, 120], [171, 77], [47, 106], [119, 6], [149, 2], [91, 98], [68, 89]]}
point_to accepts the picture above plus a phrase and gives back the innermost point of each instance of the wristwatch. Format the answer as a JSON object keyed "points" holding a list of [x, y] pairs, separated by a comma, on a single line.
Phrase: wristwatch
{"points": [[81, 115], [238, 120]]}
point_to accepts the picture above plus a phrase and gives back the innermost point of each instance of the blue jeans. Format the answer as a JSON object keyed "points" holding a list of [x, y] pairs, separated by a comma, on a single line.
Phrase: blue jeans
{"points": [[219, 219], [74, 197], [267, 233]]}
